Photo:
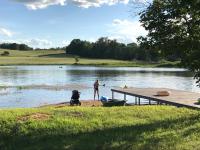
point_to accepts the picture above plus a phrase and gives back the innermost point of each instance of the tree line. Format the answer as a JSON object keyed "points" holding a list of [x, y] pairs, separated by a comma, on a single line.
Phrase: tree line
{"points": [[15, 46], [24, 47], [111, 49]]}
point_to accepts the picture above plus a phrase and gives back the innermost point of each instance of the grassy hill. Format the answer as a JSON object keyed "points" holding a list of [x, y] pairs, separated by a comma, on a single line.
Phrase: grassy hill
{"points": [[85, 128], [58, 57]]}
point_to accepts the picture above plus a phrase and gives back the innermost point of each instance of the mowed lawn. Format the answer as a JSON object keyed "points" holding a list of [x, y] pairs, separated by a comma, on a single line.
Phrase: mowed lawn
{"points": [[100, 128], [51, 57], [58, 57]]}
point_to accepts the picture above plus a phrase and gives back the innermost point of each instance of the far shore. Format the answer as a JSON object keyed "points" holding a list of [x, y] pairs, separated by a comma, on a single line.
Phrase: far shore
{"points": [[58, 57]]}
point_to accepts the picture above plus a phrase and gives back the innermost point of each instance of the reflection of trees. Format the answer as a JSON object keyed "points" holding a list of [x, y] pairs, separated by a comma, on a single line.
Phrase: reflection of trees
{"points": [[114, 73], [120, 76], [93, 74], [12, 74], [87, 75]]}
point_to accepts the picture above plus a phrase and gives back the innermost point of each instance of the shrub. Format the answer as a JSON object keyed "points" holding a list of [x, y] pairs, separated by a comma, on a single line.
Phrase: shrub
{"points": [[5, 53], [76, 59], [198, 101]]}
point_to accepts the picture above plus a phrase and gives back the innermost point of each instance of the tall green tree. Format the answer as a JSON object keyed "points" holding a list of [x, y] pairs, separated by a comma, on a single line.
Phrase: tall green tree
{"points": [[174, 29], [107, 48]]}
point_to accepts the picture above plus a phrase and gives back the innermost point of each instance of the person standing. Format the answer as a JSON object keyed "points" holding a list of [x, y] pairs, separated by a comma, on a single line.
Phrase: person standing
{"points": [[96, 89]]}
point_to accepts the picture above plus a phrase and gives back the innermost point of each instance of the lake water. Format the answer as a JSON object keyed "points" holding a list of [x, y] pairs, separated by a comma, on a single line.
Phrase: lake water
{"points": [[31, 86]]}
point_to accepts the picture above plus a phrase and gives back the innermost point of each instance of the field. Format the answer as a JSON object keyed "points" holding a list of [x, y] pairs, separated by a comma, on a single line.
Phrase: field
{"points": [[58, 57], [89, 128]]}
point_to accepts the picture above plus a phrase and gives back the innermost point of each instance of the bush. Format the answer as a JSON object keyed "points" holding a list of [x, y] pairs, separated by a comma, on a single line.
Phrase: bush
{"points": [[5, 53], [76, 59], [198, 101]]}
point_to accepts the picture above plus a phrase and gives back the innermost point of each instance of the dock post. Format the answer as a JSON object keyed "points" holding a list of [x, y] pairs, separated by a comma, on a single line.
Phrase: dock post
{"points": [[112, 94], [139, 100], [124, 96], [149, 102], [135, 100]]}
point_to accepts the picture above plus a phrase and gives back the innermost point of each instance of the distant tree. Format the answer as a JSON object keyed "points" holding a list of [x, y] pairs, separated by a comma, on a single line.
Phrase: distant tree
{"points": [[15, 46], [107, 48], [76, 59], [130, 51], [132, 45], [24, 47], [174, 29], [78, 47]]}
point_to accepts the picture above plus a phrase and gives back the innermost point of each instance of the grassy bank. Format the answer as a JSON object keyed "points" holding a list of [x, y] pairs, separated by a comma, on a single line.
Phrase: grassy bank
{"points": [[85, 128], [58, 57]]}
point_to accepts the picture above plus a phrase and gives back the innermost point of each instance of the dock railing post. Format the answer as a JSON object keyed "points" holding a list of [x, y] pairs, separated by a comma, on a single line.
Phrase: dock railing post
{"points": [[139, 100], [124, 96], [135, 100], [112, 94]]}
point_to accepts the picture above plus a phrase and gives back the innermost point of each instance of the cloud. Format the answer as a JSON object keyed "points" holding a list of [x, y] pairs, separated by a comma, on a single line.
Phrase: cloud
{"points": [[40, 4], [125, 30], [64, 43], [97, 3], [35, 43], [6, 32], [41, 43]]}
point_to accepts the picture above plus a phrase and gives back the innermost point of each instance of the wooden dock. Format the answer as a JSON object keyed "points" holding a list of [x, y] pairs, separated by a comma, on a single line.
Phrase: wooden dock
{"points": [[177, 98]]}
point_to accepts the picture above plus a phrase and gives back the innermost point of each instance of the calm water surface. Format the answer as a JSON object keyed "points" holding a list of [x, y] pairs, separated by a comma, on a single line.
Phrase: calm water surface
{"points": [[20, 83]]}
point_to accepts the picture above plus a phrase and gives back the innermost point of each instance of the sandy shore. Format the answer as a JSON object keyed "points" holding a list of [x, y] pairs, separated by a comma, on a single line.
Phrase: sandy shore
{"points": [[84, 103]]}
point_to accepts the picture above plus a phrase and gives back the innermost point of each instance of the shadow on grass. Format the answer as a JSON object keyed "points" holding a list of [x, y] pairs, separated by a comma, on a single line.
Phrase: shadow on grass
{"points": [[61, 55], [139, 136]]}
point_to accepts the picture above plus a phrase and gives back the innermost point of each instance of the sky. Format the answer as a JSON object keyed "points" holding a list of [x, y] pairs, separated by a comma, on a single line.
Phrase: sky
{"points": [[54, 23]]}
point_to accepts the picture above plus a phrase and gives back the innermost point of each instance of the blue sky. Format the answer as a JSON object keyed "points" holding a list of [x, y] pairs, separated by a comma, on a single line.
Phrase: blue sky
{"points": [[52, 23]]}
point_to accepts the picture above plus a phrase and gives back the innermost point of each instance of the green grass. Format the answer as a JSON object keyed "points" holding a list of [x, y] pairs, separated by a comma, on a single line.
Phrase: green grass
{"points": [[85, 128], [58, 57]]}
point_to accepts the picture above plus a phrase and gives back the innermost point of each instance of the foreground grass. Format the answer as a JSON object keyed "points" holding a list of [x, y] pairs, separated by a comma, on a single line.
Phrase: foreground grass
{"points": [[58, 57], [85, 128]]}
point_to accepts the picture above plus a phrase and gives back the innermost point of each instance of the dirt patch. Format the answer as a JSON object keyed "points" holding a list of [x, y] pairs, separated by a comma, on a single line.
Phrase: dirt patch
{"points": [[60, 106], [75, 114], [34, 116], [64, 113], [91, 103], [84, 103]]}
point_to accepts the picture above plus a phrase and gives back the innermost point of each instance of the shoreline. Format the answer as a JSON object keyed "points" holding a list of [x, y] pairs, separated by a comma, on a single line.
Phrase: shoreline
{"points": [[84, 103], [59, 57], [97, 65]]}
